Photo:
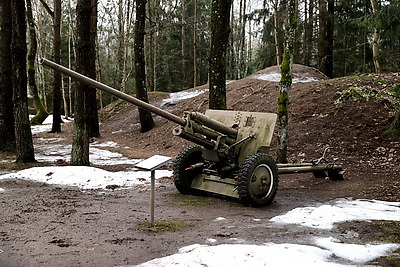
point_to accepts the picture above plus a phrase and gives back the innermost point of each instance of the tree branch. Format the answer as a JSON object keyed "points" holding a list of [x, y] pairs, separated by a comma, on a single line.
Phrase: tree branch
{"points": [[47, 7]]}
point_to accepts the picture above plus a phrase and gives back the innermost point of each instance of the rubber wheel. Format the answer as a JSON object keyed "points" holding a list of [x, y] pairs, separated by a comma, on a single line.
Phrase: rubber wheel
{"points": [[183, 178], [335, 175], [258, 180], [319, 174]]}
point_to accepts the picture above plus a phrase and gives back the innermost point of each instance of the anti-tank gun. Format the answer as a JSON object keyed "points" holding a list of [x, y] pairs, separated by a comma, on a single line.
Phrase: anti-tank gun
{"points": [[230, 156]]}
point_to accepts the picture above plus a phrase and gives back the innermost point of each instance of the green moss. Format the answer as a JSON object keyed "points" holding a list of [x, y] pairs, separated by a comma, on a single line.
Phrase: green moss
{"points": [[19, 165], [283, 100], [375, 232], [193, 202], [386, 232], [395, 127], [285, 66], [383, 81], [356, 93], [111, 109], [189, 200], [394, 258], [163, 226], [363, 92], [396, 91]]}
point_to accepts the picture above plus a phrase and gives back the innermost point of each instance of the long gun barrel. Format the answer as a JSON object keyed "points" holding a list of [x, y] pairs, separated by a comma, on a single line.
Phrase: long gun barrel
{"points": [[112, 91], [193, 120]]}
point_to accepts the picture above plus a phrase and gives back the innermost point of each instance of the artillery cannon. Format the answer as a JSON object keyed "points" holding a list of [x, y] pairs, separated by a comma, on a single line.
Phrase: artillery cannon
{"points": [[230, 156]]}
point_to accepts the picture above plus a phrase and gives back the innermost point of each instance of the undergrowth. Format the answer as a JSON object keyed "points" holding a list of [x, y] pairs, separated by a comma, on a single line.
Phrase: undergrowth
{"points": [[392, 95]]}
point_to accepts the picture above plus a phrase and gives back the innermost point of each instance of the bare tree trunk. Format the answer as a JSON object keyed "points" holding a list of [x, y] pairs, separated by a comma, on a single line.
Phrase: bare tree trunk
{"points": [[276, 33], [23, 134], [7, 133], [41, 112], [154, 46], [220, 29], [285, 83], [146, 119], [308, 33], [195, 45], [56, 126], [94, 129], [376, 40], [121, 47], [80, 138], [242, 55], [325, 42], [233, 59], [329, 38], [183, 46], [68, 94]]}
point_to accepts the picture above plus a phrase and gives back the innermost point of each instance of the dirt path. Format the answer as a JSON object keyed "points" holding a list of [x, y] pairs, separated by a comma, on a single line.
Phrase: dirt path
{"points": [[43, 225]]}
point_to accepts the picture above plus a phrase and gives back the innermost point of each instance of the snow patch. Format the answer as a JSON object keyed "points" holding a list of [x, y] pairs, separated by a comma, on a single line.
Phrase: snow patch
{"points": [[46, 125], [342, 210], [355, 252], [176, 97], [2, 190], [271, 254], [276, 77], [105, 144], [97, 156], [246, 255], [85, 177]]}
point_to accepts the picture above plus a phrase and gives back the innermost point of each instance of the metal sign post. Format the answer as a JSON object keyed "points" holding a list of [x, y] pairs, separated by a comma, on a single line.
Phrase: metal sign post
{"points": [[152, 164]]}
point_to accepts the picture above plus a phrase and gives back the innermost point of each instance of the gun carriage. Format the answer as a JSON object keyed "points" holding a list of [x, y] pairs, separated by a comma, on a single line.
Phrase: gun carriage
{"points": [[229, 157]]}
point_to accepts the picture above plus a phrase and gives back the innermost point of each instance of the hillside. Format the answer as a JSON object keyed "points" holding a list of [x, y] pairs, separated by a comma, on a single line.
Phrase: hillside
{"points": [[355, 129]]}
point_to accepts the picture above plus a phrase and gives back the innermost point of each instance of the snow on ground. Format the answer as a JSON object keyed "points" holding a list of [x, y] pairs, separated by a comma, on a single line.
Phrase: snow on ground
{"points": [[46, 125], [269, 254], [354, 252], [341, 210], [85, 177], [276, 77], [48, 150], [97, 156], [323, 251], [175, 97]]}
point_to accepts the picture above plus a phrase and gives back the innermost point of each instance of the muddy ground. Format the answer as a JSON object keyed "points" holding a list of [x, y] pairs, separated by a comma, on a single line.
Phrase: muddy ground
{"points": [[47, 225]]}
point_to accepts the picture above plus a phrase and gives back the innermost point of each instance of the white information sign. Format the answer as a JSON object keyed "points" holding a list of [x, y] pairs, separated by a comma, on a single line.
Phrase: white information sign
{"points": [[153, 163]]}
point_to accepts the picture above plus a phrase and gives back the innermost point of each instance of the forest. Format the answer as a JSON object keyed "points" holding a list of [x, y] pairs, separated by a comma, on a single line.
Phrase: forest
{"points": [[339, 38]]}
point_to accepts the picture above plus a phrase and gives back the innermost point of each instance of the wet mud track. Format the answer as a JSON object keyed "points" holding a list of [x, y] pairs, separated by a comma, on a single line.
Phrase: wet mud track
{"points": [[46, 225]]}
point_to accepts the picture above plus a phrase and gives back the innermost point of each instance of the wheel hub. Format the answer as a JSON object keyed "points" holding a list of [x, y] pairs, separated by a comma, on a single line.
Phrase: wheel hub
{"points": [[260, 181]]}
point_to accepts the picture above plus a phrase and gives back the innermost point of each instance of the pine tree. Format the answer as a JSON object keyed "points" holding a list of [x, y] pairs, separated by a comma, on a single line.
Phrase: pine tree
{"points": [[220, 14], [7, 134], [41, 112], [146, 119], [80, 138], [56, 126], [23, 134]]}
